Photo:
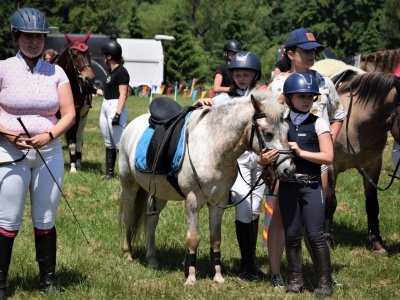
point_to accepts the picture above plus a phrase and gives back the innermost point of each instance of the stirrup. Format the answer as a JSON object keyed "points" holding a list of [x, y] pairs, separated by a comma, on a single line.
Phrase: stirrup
{"points": [[151, 206]]}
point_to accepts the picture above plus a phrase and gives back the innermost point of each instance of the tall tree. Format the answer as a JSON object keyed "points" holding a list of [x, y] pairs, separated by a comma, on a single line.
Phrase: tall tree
{"points": [[181, 55], [134, 26], [7, 46]]}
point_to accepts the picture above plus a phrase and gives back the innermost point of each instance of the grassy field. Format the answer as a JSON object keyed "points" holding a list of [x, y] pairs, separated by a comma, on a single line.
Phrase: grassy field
{"points": [[98, 271]]}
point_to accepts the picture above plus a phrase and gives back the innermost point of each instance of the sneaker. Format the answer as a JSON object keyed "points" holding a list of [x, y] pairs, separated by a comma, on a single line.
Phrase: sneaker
{"points": [[277, 281]]}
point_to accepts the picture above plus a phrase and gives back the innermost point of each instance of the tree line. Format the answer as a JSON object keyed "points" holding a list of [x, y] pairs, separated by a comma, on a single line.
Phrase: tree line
{"points": [[201, 27]]}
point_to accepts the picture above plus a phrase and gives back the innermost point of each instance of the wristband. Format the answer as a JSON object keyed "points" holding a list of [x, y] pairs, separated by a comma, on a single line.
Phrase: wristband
{"points": [[50, 135]]}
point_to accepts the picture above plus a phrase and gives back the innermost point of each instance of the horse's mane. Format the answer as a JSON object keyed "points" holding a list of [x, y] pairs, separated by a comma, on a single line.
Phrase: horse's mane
{"points": [[238, 104], [62, 58], [369, 87], [389, 59]]}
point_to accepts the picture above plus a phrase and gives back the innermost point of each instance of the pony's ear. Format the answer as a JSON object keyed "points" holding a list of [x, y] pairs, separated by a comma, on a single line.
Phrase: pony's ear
{"points": [[258, 107], [69, 39], [87, 36]]}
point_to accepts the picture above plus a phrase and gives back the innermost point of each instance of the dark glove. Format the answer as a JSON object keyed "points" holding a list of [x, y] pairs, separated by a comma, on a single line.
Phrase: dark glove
{"points": [[115, 120]]}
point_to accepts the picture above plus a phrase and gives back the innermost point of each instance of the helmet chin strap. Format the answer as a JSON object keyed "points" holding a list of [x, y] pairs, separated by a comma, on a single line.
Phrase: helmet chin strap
{"points": [[36, 58], [295, 110]]}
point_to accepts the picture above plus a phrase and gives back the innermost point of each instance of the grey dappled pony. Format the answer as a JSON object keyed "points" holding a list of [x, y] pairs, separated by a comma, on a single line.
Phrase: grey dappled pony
{"points": [[217, 137]]}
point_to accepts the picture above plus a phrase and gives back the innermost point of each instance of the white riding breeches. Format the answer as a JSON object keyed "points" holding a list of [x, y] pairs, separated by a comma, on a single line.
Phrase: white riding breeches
{"points": [[112, 134], [31, 175], [249, 209]]}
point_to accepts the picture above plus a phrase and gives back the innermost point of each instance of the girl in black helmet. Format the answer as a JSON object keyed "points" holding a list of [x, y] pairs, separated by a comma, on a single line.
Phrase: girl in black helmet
{"points": [[245, 69], [113, 114], [301, 198], [34, 90], [223, 80]]}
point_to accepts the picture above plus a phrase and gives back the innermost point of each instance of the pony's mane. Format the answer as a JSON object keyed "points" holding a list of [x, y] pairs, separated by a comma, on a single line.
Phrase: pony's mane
{"points": [[62, 58], [273, 109], [388, 59], [369, 87]]}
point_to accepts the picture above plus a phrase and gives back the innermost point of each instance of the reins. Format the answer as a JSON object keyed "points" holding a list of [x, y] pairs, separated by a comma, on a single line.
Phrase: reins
{"points": [[254, 130], [355, 154]]}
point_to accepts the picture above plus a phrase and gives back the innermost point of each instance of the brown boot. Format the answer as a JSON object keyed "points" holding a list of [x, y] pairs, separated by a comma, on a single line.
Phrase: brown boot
{"points": [[294, 258], [322, 260]]}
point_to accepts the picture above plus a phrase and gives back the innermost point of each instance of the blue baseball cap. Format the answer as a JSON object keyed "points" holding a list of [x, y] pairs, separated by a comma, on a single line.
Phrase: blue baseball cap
{"points": [[302, 38]]}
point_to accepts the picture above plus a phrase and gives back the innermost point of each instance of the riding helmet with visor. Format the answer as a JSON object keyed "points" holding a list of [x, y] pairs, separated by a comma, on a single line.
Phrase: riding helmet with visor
{"points": [[29, 20], [300, 83], [113, 48], [232, 45], [246, 60]]}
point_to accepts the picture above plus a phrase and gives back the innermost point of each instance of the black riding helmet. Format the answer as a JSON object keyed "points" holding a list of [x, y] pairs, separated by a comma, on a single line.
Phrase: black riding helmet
{"points": [[232, 45], [246, 60], [29, 20], [113, 48]]}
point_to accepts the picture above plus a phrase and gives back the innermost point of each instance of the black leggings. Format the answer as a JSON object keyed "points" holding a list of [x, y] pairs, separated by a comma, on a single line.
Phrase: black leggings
{"points": [[300, 204]]}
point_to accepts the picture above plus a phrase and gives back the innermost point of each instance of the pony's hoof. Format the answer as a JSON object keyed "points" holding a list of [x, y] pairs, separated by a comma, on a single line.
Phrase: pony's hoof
{"points": [[190, 281], [128, 255], [218, 279], [153, 264], [375, 242]]}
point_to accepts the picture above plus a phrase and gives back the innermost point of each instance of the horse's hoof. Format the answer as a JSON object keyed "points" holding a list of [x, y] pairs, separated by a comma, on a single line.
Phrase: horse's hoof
{"points": [[153, 264], [218, 279], [375, 243], [190, 281]]}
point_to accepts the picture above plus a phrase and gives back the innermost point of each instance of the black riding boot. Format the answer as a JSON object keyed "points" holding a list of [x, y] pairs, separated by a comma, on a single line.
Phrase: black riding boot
{"points": [[258, 272], [46, 247], [294, 258], [111, 156], [322, 260], [244, 234], [6, 245]]}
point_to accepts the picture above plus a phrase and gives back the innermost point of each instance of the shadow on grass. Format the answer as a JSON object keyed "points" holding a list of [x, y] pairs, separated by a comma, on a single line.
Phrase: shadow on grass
{"points": [[65, 277]]}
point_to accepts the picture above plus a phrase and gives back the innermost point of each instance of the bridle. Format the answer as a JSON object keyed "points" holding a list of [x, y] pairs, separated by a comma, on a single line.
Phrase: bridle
{"points": [[255, 129], [78, 71]]}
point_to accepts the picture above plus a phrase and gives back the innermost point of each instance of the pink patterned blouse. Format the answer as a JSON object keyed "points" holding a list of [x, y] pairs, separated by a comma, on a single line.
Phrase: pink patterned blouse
{"points": [[31, 96]]}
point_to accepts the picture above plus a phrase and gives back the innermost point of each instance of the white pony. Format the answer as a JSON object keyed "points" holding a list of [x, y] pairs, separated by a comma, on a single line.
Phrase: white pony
{"points": [[217, 136]]}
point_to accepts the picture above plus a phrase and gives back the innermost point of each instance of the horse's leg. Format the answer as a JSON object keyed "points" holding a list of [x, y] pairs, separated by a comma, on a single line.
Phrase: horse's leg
{"points": [[79, 139], [152, 222], [330, 205], [71, 139], [215, 219], [374, 240], [192, 237]]}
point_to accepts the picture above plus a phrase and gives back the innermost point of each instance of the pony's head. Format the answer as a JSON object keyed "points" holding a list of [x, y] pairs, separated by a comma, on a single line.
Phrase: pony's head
{"points": [[79, 58], [269, 118]]}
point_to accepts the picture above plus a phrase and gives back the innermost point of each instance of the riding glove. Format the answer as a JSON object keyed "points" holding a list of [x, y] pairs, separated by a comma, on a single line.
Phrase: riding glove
{"points": [[115, 120]]}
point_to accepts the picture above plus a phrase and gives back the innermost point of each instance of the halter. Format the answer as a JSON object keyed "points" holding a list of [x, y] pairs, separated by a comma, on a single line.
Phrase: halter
{"points": [[254, 128]]}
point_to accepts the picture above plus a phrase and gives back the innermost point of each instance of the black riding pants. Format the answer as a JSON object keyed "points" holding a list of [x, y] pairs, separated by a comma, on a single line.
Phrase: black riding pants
{"points": [[302, 204]]}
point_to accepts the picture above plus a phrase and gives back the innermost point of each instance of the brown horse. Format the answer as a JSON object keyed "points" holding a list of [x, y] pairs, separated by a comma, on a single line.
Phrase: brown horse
{"points": [[75, 59], [381, 61], [373, 104]]}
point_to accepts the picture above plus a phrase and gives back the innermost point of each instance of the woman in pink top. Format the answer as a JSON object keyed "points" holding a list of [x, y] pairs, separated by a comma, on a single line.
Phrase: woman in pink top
{"points": [[33, 90]]}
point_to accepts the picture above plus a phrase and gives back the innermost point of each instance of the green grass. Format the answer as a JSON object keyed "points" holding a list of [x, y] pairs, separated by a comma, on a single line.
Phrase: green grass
{"points": [[98, 271]]}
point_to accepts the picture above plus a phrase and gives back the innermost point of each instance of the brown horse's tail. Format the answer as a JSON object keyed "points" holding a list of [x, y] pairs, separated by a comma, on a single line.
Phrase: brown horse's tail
{"points": [[132, 211]]}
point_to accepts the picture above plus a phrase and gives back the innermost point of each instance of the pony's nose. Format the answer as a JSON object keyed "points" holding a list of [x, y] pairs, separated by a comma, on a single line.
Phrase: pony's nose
{"points": [[89, 81]]}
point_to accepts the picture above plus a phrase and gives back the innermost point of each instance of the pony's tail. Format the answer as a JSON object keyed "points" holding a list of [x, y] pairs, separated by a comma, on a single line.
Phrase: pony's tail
{"points": [[132, 212]]}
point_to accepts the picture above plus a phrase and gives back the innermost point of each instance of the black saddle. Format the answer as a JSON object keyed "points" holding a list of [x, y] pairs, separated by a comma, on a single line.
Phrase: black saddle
{"points": [[167, 118], [349, 60]]}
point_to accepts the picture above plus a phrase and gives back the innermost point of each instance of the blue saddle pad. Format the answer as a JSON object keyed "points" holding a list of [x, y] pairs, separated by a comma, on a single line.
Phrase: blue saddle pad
{"points": [[143, 144]]}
